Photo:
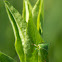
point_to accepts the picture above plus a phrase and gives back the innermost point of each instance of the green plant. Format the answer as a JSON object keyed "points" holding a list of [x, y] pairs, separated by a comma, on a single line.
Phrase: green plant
{"points": [[29, 43]]}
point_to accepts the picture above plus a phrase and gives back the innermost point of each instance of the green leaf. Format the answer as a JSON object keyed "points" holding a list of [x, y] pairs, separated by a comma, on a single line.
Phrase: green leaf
{"points": [[43, 53], [5, 58], [42, 17], [25, 10], [38, 14], [35, 12], [32, 2], [30, 52], [33, 35], [18, 43], [32, 30], [21, 24]]}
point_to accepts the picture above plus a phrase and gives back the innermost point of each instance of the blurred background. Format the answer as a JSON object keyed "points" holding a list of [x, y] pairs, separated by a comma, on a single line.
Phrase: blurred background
{"points": [[52, 31], [6, 32]]}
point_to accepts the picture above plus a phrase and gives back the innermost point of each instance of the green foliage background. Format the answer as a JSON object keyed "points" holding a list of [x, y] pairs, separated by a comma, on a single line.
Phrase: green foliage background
{"points": [[53, 28]]}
